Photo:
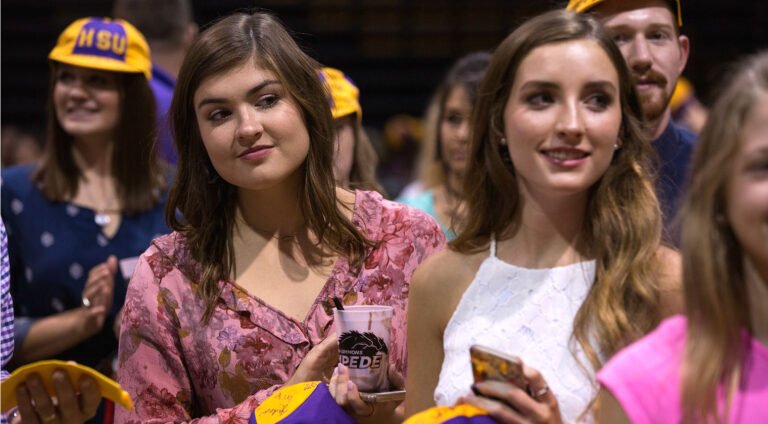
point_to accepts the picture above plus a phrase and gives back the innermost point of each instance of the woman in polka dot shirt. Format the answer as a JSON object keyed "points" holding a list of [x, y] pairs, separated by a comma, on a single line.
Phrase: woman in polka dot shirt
{"points": [[95, 200]]}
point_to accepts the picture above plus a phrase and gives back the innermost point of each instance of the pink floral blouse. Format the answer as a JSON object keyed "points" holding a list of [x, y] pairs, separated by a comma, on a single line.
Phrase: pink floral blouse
{"points": [[176, 369]]}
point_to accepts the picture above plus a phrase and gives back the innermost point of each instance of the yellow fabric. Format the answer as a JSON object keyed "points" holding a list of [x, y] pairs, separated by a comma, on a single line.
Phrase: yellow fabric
{"points": [[580, 6], [118, 46], [283, 402], [344, 95], [683, 91], [439, 414]]}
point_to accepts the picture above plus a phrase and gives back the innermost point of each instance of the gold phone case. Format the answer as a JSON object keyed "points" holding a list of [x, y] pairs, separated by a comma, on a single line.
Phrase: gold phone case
{"points": [[490, 364]]}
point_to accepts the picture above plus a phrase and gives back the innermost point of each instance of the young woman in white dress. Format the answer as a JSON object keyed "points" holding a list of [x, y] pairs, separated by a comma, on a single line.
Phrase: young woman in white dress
{"points": [[559, 261]]}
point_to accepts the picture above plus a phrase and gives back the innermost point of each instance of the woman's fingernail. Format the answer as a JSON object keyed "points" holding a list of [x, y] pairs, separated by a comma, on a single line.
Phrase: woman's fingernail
{"points": [[350, 385], [475, 390], [336, 370]]}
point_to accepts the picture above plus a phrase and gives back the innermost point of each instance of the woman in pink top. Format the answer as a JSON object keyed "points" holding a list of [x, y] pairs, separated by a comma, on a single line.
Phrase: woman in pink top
{"points": [[236, 302], [712, 365]]}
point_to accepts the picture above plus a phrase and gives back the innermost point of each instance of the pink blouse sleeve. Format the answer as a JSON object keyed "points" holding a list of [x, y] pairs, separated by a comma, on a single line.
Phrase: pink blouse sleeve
{"points": [[151, 367], [423, 239]]}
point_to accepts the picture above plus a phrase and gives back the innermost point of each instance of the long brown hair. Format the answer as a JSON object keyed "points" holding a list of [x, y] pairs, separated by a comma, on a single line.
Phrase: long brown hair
{"points": [[139, 176], [623, 224], [207, 202], [717, 304]]}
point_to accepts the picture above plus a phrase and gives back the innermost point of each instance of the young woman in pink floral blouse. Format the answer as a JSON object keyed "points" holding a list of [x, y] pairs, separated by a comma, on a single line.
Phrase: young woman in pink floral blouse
{"points": [[236, 302]]}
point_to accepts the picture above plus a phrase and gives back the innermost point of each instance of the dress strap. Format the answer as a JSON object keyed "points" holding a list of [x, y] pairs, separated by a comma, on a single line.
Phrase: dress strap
{"points": [[493, 245]]}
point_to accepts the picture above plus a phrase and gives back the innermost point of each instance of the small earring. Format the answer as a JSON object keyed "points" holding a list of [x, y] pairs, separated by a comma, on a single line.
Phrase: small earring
{"points": [[504, 153], [503, 141], [616, 146]]}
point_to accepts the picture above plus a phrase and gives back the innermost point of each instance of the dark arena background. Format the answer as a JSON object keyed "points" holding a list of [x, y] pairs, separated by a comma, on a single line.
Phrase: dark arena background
{"points": [[396, 51]]}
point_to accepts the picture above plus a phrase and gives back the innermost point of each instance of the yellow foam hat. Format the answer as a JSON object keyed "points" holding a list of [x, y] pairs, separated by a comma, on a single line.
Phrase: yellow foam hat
{"points": [[342, 92], [109, 388], [580, 6], [104, 44]]}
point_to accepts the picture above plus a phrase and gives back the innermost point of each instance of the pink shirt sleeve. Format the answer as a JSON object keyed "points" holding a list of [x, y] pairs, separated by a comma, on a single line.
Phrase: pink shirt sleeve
{"points": [[151, 367], [176, 368], [424, 239], [645, 377]]}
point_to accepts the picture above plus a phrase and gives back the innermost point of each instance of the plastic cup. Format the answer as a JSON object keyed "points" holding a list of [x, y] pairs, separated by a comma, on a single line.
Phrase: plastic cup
{"points": [[363, 332]]}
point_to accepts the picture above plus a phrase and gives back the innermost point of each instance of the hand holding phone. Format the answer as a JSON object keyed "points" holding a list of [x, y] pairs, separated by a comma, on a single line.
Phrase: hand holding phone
{"points": [[491, 364]]}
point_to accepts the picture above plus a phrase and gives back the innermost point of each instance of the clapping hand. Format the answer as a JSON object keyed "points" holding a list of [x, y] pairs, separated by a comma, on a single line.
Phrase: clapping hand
{"points": [[98, 294]]}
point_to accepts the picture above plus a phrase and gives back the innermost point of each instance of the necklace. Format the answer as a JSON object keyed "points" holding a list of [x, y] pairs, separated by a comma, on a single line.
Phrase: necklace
{"points": [[101, 215], [102, 218]]}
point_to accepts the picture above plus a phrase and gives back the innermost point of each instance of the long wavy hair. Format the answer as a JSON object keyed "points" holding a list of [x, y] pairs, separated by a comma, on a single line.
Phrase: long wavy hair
{"points": [[622, 229], [140, 177], [716, 298], [205, 201]]}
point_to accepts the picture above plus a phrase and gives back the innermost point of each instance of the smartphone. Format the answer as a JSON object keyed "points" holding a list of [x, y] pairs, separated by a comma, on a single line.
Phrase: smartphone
{"points": [[391, 396], [491, 364]]}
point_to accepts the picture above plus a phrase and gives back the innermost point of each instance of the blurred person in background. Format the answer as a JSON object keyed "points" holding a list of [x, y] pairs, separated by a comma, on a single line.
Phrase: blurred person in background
{"points": [[78, 218], [402, 136], [686, 108], [6, 308], [711, 365], [72, 403], [648, 34], [19, 146], [445, 147], [354, 158], [170, 29]]}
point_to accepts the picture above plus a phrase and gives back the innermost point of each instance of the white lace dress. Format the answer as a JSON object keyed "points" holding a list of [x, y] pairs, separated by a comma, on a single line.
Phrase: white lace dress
{"points": [[527, 313]]}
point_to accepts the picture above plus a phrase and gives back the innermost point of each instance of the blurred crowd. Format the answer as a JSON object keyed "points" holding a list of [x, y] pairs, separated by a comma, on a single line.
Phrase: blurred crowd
{"points": [[198, 201]]}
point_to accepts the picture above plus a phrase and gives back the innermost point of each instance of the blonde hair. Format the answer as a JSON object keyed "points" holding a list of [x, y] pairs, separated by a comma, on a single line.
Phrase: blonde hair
{"points": [[623, 225], [717, 303]]}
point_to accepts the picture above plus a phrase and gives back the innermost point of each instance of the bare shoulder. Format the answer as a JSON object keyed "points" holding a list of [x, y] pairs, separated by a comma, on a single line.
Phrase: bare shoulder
{"points": [[445, 276], [346, 200], [445, 269], [609, 410], [671, 271], [670, 281]]}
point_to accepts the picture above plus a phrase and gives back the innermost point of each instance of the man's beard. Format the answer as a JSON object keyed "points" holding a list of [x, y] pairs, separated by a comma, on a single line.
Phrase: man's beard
{"points": [[654, 104]]}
